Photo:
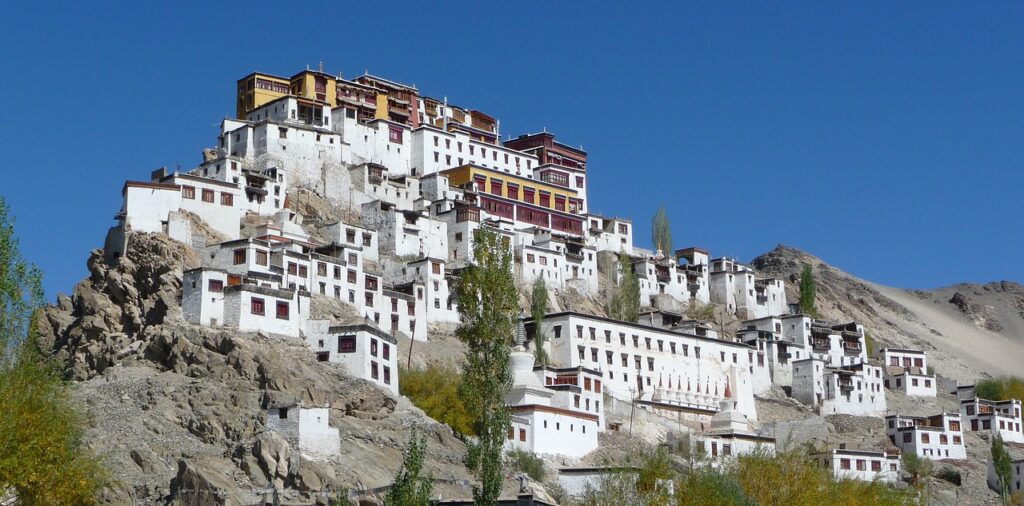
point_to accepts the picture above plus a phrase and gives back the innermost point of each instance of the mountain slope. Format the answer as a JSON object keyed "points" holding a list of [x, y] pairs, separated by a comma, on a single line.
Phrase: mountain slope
{"points": [[968, 330]]}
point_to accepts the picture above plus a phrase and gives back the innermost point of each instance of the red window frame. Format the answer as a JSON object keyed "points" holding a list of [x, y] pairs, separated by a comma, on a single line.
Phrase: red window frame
{"points": [[283, 310], [257, 306]]}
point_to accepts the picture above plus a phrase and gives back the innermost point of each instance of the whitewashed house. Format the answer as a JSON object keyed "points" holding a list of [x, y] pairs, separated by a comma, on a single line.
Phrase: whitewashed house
{"points": [[864, 465], [541, 420], [1016, 483], [996, 417], [582, 389], [933, 437], [305, 429], [907, 371], [365, 350], [850, 390]]}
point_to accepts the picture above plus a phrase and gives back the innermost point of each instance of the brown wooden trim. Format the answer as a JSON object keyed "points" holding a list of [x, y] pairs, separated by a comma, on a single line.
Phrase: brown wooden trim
{"points": [[557, 411]]}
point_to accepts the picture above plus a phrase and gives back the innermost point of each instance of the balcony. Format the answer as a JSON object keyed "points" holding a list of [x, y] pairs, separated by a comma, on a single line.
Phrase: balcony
{"points": [[693, 287], [820, 344], [468, 214], [574, 256], [762, 299]]}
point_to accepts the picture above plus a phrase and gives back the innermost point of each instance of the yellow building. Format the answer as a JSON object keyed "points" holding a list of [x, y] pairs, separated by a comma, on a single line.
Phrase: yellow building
{"points": [[257, 89]]}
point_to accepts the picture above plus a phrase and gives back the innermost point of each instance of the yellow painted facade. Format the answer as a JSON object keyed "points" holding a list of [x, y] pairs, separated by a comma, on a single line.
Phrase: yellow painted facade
{"points": [[252, 96], [468, 173], [382, 106]]}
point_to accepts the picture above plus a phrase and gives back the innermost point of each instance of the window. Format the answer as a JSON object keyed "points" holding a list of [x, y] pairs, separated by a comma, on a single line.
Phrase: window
{"points": [[522, 434], [558, 331], [373, 370], [208, 196], [257, 307], [844, 463], [351, 276], [261, 257], [395, 134], [321, 269], [282, 132], [943, 439], [387, 375], [216, 285], [907, 437], [954, 426], [303, 271], [862, 465], [346, 344], [282, 413], [876, 466], [373, 347], [282, 310], [925, 438], [188, 192], [226, 199], [239, 256]]}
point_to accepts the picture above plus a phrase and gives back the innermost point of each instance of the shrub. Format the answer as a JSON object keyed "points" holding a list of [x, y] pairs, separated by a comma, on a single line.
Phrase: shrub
{"points": [[1001, 389], [435, 390], [520, 461], [949, 474]]}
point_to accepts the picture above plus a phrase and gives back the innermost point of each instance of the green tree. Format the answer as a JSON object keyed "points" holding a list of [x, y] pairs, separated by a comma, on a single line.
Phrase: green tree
{"points": [[42, 458], [661, 232], [625, 302], [538, 309], [488, 308], [808, 291], [1003, 466], [435, 390], [1001, 388], [411, 488], [918, 467]]}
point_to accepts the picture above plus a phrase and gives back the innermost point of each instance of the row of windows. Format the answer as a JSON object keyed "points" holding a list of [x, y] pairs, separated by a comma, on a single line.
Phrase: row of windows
{"points": [[483, 152], [350, 237], [862, 465], [257, 307], [209, 196]]}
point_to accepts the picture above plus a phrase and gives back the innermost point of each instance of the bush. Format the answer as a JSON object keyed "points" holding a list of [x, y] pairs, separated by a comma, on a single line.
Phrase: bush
{"points": [[435, 390], [949, 474], [520, 461], [1000, 389]]}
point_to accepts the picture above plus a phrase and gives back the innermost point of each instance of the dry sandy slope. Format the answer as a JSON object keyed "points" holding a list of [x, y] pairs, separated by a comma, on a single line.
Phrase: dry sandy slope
{"points": [[981, 350]]}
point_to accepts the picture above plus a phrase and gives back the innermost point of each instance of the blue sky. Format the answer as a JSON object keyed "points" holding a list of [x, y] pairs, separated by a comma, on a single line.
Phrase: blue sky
{"points": [[884, 137]]}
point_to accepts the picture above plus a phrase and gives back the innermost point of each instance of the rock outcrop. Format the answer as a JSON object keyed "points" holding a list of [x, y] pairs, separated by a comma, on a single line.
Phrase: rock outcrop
{"points": [[179, 411]]}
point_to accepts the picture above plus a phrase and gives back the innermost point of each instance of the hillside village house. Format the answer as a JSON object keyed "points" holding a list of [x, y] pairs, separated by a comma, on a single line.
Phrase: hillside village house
{"points": [[366, 351], [306, 429], [936, 437], [849, 389], [1016, 483], [863, 465], [997, 417], [546, 418], [907, 371], [732, 434]]}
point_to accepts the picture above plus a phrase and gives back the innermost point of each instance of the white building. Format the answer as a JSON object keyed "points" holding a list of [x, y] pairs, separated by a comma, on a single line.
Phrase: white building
{"points": [[732, 434], [635, 359], [366, 351], [864, 465], [406, 232], [850, 390], [736, 286], [305, 429], [1016, 483], [610, 234], [541, 420], [582, 384], [907, 371], [253, 302], [1002, 417], [935, 437]]}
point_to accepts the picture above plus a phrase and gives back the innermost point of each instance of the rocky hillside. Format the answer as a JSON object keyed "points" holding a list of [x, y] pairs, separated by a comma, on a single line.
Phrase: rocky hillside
{"points": [[968, 330], [178, 411]]}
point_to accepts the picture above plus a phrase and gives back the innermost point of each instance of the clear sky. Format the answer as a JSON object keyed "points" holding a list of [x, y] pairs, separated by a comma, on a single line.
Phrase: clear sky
{"points": [[884, 137]]}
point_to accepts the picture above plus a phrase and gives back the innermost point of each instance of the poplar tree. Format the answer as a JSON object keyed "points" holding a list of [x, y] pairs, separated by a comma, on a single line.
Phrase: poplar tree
{"points": [[625, 301], [808, 291], [411, 488], [488, 308], [661, 232], [538, 309], [1003, 465], [42, 458]]}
